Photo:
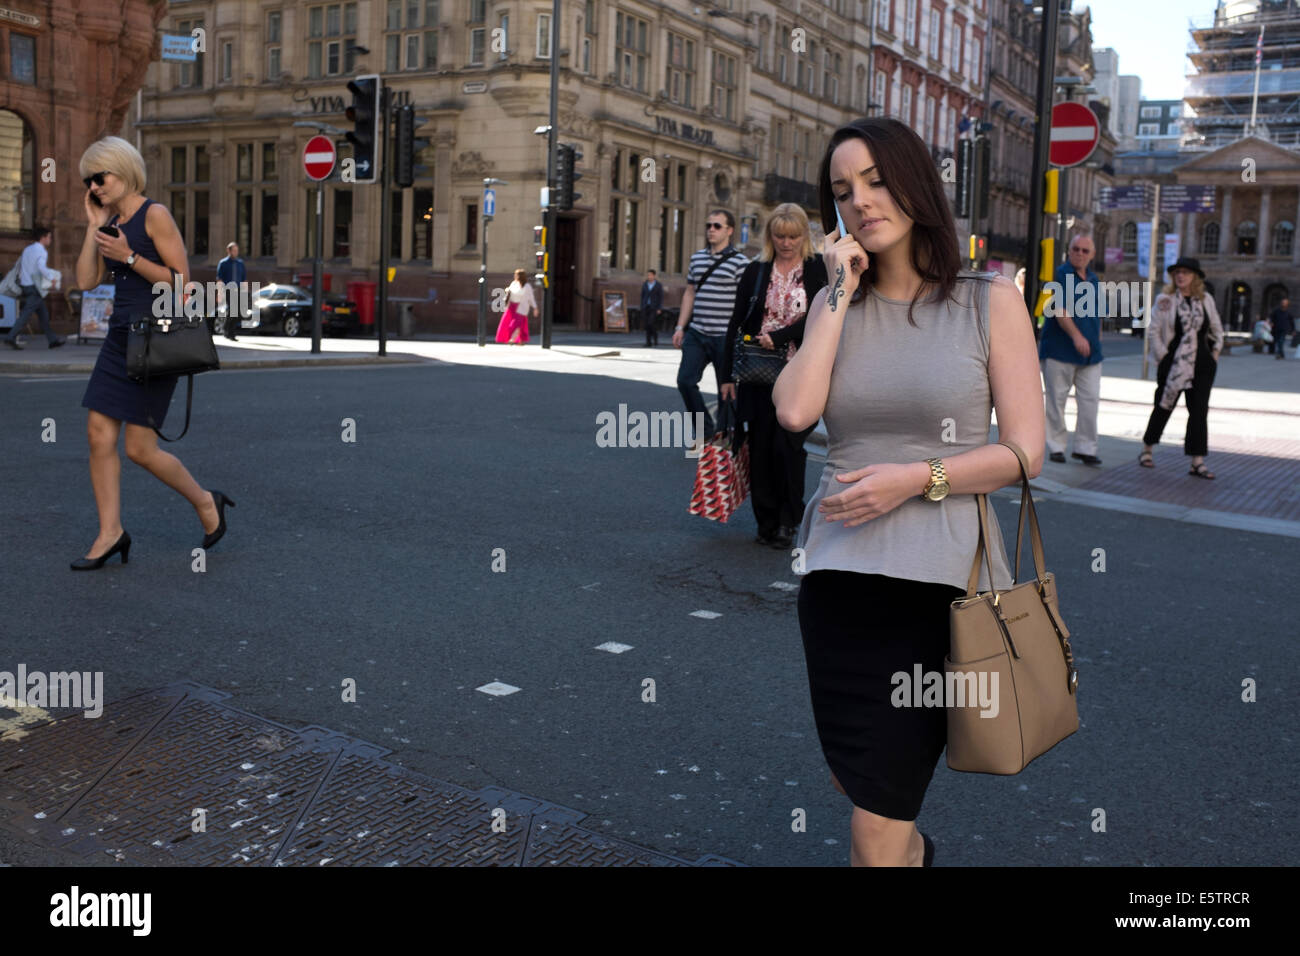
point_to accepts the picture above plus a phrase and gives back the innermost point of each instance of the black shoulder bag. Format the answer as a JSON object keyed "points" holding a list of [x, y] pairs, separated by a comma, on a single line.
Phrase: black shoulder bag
{"points": [[161, 348], [751, 363]]}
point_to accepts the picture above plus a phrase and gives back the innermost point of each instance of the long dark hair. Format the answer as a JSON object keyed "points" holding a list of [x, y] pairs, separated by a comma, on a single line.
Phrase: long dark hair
{"points": [[903, 161]]}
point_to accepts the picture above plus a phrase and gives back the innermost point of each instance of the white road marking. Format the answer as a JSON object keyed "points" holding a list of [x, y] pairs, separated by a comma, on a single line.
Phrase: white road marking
{"points": [[784, 586], [614, 647], [707, 615], [497, 689]]}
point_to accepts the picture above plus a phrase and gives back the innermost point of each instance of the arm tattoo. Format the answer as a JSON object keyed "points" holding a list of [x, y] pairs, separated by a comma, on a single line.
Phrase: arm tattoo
{"points": [[837, 290]]}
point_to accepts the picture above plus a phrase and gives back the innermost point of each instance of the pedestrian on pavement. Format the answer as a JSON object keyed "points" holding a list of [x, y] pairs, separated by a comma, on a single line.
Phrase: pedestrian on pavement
{"points": [[146, 249], [35, 279], [1283, 323], [1070, 350], [905, 357], [1186, 338], [652, 303], [232, 269], [771, 308], [520, 304], [1263, 334], [707, 305]]}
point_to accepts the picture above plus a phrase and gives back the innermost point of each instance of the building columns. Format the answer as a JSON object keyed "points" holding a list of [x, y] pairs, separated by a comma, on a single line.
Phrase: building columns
{"points": [[1264, 243], [1225, 223]]}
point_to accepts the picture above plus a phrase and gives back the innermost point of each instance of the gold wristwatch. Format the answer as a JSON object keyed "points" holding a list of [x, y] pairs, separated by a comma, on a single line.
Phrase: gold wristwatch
{"points": [[937, 488]]}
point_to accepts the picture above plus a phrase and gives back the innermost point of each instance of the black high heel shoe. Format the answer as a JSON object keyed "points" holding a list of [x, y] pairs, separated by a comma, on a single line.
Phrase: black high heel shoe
{"points": [[94, 564], [220, 500], [928, 858]]}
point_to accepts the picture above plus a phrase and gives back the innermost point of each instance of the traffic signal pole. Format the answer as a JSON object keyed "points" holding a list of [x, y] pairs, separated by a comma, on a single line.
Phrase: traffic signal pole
{"points": [[1042, 148], [385, 215], [552, 138]]}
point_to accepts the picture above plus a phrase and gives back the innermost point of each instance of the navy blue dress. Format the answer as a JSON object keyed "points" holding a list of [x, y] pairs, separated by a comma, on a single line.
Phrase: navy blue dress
{"points": [[109, 391]]}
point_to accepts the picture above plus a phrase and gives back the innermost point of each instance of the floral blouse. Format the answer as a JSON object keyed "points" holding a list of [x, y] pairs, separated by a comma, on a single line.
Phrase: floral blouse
{"points": [[786, 303]]}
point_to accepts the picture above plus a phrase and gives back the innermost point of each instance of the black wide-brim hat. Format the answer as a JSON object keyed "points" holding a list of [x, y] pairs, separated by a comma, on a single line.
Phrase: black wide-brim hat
{"points": [[1187, 262]]}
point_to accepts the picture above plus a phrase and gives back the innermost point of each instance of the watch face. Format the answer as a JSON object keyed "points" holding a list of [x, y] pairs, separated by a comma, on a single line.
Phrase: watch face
{"points": [[938, 491]]}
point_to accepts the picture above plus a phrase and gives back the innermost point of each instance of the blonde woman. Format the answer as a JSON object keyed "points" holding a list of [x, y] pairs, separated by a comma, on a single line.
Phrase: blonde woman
{"points": [[134, 242], [1186, 338], [521, 303], [772, 302]]}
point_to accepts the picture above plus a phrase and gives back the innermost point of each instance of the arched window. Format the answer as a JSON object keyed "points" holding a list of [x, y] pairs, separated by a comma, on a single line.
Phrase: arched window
{"points": [[1283, 238], [1128, 239], [17, 173], [1210, 239], [1247, 233]]}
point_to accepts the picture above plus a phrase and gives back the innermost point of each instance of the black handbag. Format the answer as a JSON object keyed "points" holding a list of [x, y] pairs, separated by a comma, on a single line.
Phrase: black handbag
{"points": [[750, 362], [167, 348]]}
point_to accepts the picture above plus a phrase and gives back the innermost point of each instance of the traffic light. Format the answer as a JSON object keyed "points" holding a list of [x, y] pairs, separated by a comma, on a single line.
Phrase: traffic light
{"points": [[364, 115], [543, 261], [407, 148], [978, 247], [566, 175]]}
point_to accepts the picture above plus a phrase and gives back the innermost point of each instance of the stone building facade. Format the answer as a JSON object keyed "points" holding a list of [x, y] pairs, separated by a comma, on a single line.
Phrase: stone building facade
{"points": [[732, 101], [67, 76]]}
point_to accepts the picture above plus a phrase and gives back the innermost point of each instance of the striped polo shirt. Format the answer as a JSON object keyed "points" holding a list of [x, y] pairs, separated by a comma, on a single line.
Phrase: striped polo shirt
{"points": [[711, 313]]}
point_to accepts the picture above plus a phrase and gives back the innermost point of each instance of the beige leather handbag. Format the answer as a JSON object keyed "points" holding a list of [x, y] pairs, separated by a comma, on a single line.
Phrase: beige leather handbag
{"points": [[1009, 675]]}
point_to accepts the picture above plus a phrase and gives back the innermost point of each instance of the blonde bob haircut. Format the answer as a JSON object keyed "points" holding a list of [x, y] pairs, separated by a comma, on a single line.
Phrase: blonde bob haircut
{"points": [[787, 216], [112, 154], [1197, 288]]}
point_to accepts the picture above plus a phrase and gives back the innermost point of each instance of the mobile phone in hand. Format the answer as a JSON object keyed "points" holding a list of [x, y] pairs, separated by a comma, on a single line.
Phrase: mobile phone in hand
{"points": [[839, 221], [109, 231], [95, 200]]}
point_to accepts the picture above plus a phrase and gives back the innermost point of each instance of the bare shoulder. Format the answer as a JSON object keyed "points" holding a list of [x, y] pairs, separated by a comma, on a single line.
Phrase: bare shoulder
{"points": [[1006, 303], [157, 216]]}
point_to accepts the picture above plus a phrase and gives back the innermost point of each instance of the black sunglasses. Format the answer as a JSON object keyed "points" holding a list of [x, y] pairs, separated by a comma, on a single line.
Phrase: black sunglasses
{"points": [[96, 178], [714, 225]]}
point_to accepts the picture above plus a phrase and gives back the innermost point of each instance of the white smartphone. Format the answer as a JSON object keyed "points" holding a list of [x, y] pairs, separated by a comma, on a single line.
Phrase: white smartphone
{"points": [[839, 221]]}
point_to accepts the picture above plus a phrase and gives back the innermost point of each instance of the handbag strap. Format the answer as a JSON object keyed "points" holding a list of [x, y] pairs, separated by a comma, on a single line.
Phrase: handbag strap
{"points": [[189, 391], [1027, 509]]}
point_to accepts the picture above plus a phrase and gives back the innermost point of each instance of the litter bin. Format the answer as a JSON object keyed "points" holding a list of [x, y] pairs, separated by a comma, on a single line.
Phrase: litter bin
{"points": [[406, 320], [304, 280], [363, 294]]}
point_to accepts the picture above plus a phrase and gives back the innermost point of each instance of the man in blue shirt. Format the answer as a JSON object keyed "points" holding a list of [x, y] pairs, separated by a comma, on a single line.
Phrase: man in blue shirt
{"points": [[34, 279], [232, 269], [1070, 349]]}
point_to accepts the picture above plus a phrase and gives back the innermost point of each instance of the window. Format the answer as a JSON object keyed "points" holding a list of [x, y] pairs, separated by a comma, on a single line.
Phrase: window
{"points": [[907, 104], [977, 60], [631, 51], [342, 223], [422, 223], [183, 198], [928, 131], [910, 22], [1210, 239], [1128, 239], [543, 36], [178, 164], [471, 226], [18, 175], [227, 56], [673, 213], [882, 91], [22, 58], [1283, 239], [476, 39], [1148, 129], [244, 221], [270, 216], [243, 162], [936, 34], [586, 55], [1150, 112], [831, 76], [782, 45], [189, 75], [477, 11], [624, 209], [806, 70], [331, 35], [724, 85], [504, 24], [202, 165], [680, 81], [409, 35], [959, 46]]}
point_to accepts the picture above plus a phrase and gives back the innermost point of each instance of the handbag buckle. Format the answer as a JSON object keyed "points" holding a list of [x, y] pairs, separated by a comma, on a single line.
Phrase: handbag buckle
{"points": [[165, 325]]}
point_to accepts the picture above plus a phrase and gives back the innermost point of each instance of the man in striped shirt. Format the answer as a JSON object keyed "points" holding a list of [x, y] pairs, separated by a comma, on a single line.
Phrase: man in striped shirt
{"points": [[706, 311]]}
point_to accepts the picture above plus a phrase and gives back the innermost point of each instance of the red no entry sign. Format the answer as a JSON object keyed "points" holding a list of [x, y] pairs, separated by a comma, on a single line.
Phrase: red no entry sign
{"points": [[318, 157], [1075, 134]]}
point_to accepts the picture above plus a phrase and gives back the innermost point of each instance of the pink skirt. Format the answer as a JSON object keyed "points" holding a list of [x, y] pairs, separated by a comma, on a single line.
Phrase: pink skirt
{"points": [[512, 320]]}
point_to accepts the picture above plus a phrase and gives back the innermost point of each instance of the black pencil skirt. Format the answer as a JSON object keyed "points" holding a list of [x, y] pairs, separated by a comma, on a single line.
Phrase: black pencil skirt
{"points": [[858, 631]]}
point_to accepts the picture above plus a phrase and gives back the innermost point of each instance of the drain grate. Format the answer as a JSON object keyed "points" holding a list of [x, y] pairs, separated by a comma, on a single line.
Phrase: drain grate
{"points": [[129, 783]]}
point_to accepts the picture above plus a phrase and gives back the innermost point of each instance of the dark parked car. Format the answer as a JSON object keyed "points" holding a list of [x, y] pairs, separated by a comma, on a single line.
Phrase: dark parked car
{"points": [[287, 309]]}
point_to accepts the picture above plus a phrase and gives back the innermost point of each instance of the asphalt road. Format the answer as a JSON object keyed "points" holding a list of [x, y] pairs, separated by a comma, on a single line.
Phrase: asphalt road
{"points": [[373, 561]]}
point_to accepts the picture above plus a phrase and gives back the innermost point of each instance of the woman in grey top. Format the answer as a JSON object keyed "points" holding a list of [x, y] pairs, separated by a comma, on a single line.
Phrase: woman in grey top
{"points": [[905, 358]]}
